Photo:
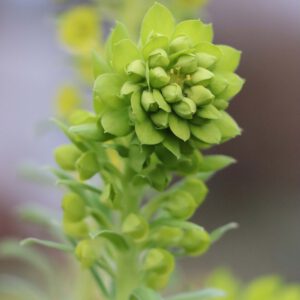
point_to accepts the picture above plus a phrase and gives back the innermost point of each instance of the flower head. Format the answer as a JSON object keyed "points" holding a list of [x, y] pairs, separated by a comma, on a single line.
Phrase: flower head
{"points": [[171, 89]]}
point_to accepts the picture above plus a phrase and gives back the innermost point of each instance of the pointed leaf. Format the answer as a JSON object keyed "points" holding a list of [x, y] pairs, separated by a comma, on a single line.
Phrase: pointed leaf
{"points": [[219, 232], [235, 84], [208, 133], [46, 243], [179, 127], [124, 52], [115, 238], [100, 66], [118, 33], [107, 91], [147, 134], [209, 112], [195, 30], [212, 163], [157, 42], [172, 144], [229, 60], [116, 122], [158, 20], [227, 126]]}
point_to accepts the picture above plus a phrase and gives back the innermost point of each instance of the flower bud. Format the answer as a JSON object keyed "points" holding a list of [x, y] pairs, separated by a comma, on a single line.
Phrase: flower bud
{"points": [[218, 85], [166, 236], [199, 76], [221, 104], [75, 229], [195, 241], [73, 207], [158, 58], [88, 131], [185, 108], [172, 93], [158, 77], [187, 64], [87, 165], [200, 95], [156, 281], [160, 119], [205, 60], [180, 204], [159, 260], [135, 226], [136, 70], [148, 102], [66, 156], [180, 43], [128, 88], [88, 252]]}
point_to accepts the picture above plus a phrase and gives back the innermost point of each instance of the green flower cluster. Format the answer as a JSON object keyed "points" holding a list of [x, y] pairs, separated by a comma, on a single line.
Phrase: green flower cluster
{"points": [[156, 105], [170, 90]]}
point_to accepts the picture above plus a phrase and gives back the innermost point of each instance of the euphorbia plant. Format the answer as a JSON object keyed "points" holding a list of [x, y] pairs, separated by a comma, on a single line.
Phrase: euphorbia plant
{"points": [[157, 105]]}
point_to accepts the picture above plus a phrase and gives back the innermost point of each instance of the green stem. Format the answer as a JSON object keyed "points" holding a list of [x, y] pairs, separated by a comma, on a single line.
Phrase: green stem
{"points": [[127, 279]]}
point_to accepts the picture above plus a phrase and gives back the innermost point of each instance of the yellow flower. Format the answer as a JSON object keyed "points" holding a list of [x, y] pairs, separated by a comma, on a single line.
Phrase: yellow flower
{"points": [[68, 100], [79, 29]]}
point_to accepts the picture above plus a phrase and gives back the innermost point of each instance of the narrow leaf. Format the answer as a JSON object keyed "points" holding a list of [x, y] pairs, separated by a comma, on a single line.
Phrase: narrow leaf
{"points": [[46, 243], [219, 232], [115, 238]]}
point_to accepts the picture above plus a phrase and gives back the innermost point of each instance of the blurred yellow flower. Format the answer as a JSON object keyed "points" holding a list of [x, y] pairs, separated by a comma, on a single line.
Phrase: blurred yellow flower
{"points": [[79, 29], [68, 100]]}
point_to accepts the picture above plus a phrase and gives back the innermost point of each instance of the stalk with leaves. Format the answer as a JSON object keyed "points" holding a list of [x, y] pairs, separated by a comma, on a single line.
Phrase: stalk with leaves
{"points": [[158, 105]]}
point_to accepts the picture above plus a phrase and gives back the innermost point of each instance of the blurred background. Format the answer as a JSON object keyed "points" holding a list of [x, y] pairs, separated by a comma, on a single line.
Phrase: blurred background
{"points": [[261, 192]]}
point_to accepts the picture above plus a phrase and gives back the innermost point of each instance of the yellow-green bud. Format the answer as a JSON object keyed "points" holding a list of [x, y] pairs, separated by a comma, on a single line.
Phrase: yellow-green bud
{"points": [[166, 236], [187, 64], [160, 119], [73, 207], [135, 226], [218, 85], [185, 108], [158, 58], [159, 260], [172, 93], [158, 77], [195, 241], [66, 156], [180, 43], [148, 102], [87, 165], [75, 229], [200, 95], [158, 264], [221, 104], [200, 75], [156, 281], [180, 204], [88, 252], [205, 60], [136, 70]]}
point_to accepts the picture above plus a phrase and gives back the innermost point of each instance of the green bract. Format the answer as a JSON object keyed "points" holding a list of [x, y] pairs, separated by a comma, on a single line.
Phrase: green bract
{"points": [[172, 88]]}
